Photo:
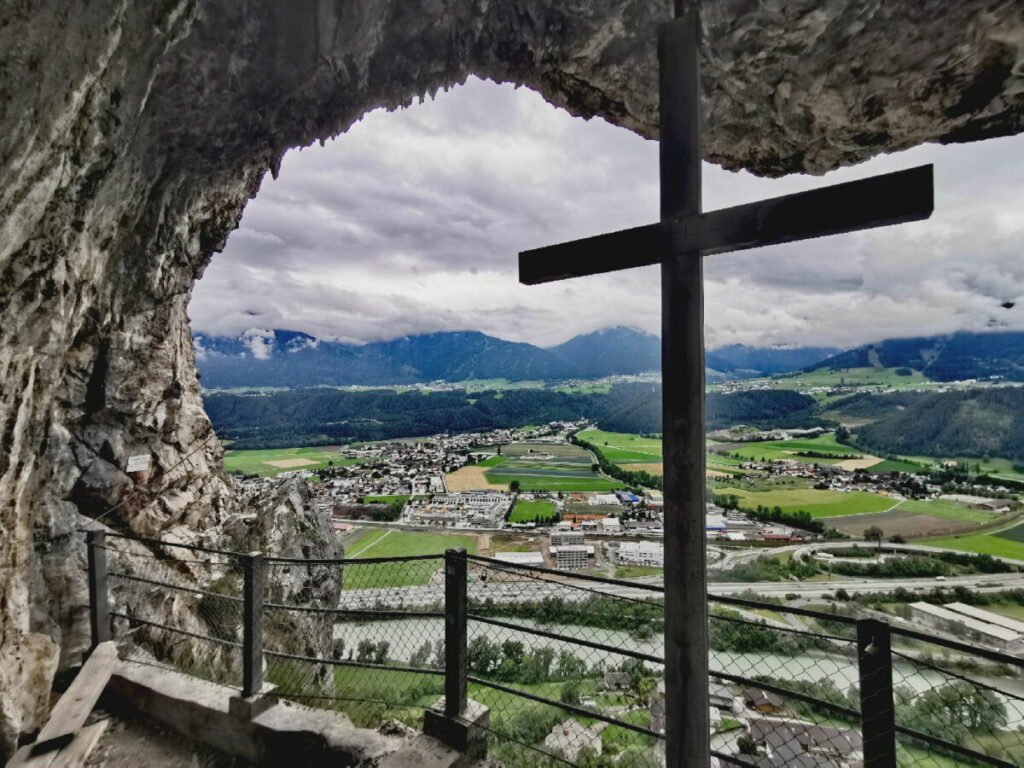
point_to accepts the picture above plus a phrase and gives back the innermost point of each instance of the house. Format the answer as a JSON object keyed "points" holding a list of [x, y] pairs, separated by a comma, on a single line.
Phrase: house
{"points": [[616, 681], [611, 525], [795, 742], [764, 702], [572, 737]]}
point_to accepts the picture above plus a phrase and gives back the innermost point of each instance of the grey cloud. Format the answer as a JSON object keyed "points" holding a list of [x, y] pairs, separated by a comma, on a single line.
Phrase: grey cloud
{"points": [[411, 223]]}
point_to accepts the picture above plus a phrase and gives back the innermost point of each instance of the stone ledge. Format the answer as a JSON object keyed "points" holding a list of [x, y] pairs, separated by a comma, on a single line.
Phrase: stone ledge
{"points": [[284, 733]]}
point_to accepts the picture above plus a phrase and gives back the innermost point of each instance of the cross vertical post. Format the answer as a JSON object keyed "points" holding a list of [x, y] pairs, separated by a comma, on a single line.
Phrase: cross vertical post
{"points": [[687, 731]]}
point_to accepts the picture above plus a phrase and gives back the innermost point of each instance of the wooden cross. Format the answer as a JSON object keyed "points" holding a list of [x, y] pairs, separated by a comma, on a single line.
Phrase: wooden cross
{"points": [[679, 242]]}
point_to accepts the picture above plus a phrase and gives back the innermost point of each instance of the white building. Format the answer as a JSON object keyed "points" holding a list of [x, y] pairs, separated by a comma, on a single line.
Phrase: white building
{"points": [[520, 558], [649, 553], [611, 525], [484, 509]]}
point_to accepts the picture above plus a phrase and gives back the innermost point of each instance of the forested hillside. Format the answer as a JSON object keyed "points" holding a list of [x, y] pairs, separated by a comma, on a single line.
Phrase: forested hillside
{"points": [[953, 357], [972, 423], [323, 416]]}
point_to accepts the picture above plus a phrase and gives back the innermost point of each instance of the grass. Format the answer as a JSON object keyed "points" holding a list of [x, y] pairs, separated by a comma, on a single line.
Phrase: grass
{"points": [[816, 503], [892, 465], [254, 462], [493, 461], [775, 450], [636, 571], [392, 543], [622, 447], [555, 483], [526, 511], [982, 544], [852, 377], [947, 509]]}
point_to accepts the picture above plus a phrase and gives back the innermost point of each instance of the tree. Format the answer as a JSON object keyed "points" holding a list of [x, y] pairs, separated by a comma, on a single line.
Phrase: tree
{"points": [[570, 693], [514, 486], [842, 434], [746, 745], [874, 533]]}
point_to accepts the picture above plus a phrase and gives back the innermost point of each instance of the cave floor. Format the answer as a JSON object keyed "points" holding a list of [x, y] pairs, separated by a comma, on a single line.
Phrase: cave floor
{"points": [[140, 742]]}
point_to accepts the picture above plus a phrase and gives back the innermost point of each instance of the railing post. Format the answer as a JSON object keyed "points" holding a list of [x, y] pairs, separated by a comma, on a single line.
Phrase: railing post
{"points": [[877, 706], [254, 585], [99, 610], [455, 612]]}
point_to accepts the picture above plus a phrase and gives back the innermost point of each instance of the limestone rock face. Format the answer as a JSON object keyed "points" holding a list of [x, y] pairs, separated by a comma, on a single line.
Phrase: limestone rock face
{"points": [[132, 134]]}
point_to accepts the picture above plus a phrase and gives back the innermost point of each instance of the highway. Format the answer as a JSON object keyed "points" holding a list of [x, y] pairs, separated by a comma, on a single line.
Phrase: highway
{"points": [[528, 589]]}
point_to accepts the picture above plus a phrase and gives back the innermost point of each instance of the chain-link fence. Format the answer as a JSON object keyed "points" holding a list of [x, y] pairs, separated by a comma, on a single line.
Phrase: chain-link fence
{"points": [[177, 605], [381, 623], [570, 666]]}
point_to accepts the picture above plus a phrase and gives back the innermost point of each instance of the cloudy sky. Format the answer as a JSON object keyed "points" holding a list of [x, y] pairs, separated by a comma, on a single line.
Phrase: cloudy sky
{"points": [[411, 222]]}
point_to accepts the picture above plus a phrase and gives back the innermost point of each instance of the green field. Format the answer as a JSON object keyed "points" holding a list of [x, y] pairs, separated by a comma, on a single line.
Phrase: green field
{"points": [[493, 461], [527, 511], [392, 543], [568, 469], [947, 509], [851, 377], [816, 503], [556, 483], [982, 543], [892, 465], [623, 448], [254, 462], [775, 450]]}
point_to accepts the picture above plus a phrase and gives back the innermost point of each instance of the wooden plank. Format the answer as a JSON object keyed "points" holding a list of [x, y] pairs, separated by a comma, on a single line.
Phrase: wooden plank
{"points": [[892, 198], [77, 752], [78, 700]]}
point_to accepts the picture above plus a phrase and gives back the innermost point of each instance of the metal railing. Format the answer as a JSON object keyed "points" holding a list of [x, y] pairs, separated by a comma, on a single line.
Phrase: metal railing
{"points": [[569, 664]]}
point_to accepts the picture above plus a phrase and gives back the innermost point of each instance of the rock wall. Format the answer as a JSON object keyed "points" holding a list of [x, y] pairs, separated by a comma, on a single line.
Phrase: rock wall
{"points": [[132, 134]]}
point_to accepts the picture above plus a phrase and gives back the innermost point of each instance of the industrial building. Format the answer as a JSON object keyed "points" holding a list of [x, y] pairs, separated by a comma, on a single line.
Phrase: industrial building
{"points": [[571, 558], [962, 625], [560, 538], [649, 553]]}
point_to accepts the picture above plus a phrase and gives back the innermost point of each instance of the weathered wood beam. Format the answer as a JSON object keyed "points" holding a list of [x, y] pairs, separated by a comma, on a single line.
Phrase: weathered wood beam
{"points": [[893, 198]]}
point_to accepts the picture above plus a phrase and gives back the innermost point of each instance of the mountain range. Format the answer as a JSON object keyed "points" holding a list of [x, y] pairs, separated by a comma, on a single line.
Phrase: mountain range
{"points": [[278, 358], [951, 357]]}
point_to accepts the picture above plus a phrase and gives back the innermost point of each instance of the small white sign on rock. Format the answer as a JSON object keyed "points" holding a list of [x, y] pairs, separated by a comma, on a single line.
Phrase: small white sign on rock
{"points": [[138, 463]]}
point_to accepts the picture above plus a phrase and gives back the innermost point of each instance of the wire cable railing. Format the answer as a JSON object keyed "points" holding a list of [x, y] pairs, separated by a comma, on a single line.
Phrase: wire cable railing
{"points": [[569, 666]]}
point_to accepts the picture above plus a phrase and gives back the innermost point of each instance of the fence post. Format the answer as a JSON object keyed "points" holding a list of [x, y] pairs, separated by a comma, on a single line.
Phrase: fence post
{"points": [[99, 610], [455, 612], [254, 585], [877, 707]]}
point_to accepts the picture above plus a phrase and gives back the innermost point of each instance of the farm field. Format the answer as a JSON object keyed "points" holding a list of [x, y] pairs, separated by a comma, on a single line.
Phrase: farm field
{"points": [[851, 377], [555, 483], [982, 543], [947, 509], [636, 453], [623, 448], [274, 461], [474, 478], [558, 450], [392, 543], [902, 522], [547, 467], [817, 503], [787, 449]]}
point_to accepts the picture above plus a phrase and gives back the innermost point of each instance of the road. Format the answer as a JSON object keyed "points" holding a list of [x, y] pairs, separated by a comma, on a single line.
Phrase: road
{"points": [[528, 589]]}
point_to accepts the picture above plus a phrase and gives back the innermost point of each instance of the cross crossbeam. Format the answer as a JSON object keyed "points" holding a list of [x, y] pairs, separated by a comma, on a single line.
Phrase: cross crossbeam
{"points": [[679, 243], [879, 201]]}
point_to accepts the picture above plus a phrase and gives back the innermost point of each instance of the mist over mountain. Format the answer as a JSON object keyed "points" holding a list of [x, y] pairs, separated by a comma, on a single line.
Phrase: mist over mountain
{"points": [[952, 357], [263, 358], [739, 358]]}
